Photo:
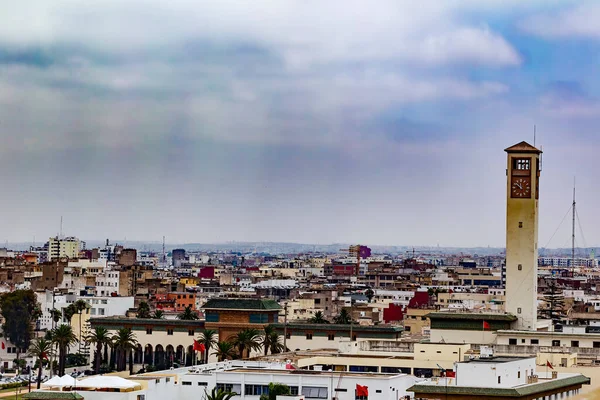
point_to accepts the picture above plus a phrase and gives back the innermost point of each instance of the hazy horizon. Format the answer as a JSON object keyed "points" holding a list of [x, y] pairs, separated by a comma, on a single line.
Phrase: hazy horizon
{"points": [[294, 121]]}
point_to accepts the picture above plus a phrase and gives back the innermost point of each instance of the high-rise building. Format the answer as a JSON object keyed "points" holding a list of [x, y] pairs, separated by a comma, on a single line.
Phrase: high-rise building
{"points": [[523, 173], [63, 247]]}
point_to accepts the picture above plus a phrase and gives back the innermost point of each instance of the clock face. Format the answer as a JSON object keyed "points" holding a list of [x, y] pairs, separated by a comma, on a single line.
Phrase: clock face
{"points": [[521, 188]]}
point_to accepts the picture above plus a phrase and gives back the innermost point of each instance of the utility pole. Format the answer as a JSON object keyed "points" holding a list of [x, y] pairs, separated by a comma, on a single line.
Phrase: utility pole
{"points": [[285, 307]]}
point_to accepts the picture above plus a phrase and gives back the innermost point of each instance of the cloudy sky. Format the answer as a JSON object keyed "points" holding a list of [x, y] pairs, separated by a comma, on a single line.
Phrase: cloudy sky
{"points": [[309, 121]]}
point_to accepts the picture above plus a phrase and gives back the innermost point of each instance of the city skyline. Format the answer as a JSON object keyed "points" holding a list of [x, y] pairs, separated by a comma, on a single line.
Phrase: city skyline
{"points": [[296, 122]]}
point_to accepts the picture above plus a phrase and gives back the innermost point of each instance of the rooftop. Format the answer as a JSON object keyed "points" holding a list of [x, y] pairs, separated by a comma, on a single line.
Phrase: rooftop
{"points": [[542, 386], [342, 327], [497, 359], [473, 316], [522, 147], [242, 304]]}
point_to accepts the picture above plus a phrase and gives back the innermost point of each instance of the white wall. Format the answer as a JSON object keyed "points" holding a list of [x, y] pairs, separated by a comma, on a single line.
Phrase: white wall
{"points": [[486, 373]]}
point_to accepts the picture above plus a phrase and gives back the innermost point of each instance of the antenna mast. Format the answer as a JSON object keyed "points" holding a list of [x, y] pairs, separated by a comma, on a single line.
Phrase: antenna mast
{"points": [[533, 135], [164, 256], [573, 231]]}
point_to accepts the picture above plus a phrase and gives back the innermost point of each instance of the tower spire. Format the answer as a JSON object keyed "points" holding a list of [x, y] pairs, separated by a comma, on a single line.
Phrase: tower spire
{"points": [[573, 229]]}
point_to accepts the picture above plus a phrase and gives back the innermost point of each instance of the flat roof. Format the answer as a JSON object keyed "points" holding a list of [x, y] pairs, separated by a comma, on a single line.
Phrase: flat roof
{"points": [[472, 316], [309, 372], [498, 359], [542, 386]]}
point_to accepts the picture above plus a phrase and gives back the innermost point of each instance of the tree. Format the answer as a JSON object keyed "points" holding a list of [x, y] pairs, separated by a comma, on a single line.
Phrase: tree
{"points": [[219, 394], [124, 343], [69, 312], [143, 310], [188, 314], [208, 338], [20, 310], [56, 315], [63, 337], [247, 340], [276, 389], [158, 314], [80, 305], [100, 337], [318, 318], [225, 351], [370, 294], [271, 341], [344, 318], [40, 349]]}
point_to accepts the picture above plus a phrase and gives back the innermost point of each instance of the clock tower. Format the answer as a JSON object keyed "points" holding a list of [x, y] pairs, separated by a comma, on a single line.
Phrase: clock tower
{"points": [[523, 174]]}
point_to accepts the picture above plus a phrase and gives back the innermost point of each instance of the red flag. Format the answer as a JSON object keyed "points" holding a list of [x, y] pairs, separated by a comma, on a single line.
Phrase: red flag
{"points": [[549, 365], [486, 325], [3, 346], [202, 348], [44, 355], [362, 391], [289, 366], [450, 374], [197, 345]]}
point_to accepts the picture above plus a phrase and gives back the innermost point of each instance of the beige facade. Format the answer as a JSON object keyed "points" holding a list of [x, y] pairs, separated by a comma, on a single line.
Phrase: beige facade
{"points": [[416, 321], [471, 301], [522, 234]]}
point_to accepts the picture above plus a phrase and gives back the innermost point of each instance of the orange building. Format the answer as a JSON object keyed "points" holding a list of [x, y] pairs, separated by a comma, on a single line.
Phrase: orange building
{"points": [[181, 300]]}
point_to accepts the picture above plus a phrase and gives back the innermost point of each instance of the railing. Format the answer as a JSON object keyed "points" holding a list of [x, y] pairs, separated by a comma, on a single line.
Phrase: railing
{"points": [[582, 352]]}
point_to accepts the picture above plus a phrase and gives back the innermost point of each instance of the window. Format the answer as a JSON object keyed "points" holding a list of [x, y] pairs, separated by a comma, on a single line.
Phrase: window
{"points": [[309, 336], [574, 343], [499, 379], [202, 383], [520, 267], [378, 391], [259, 318], [340, 390], [512, 341], [519, 375], [535, 341], [185, 383], [170, 331], [148, 331], [313, 392], [556, 343], [141, 397], [256, 390], [229, 387], [294, 390], [317, 301], [190, 332], [522, 164], [522, 340], [212, 317], [596, 345], [331, 336]]}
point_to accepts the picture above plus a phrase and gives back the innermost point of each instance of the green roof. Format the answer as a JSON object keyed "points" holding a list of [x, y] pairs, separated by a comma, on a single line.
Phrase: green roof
{"points": [[341, 327], [472, 316], [241, 304], [51, 395], [121, 320], [517, 391]]}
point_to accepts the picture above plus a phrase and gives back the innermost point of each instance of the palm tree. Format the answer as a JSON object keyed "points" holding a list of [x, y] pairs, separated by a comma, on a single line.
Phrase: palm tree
{"points": [[225, 350], [247, 340], [276, 346], [344, 318], [318, 318], [80, 305], [208, 338], [124, 343], [158, 314], [188, 314], [219, 394], [143, 310], [266, 339], [56, 315], [100, 337], [40, 349], [63, 337], [69, 312]]}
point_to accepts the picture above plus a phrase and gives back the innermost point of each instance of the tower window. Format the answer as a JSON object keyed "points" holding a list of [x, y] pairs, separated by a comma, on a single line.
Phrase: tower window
{"points": [[522, 164], [520, 267], [520, 224], [519, 310]]}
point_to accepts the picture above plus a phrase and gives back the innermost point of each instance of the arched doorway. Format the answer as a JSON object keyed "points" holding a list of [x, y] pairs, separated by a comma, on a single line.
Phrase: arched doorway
{"points": [[180, 355], [190, 358], [159, 357], [138, 354], [170, 356], [148, 356]]}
